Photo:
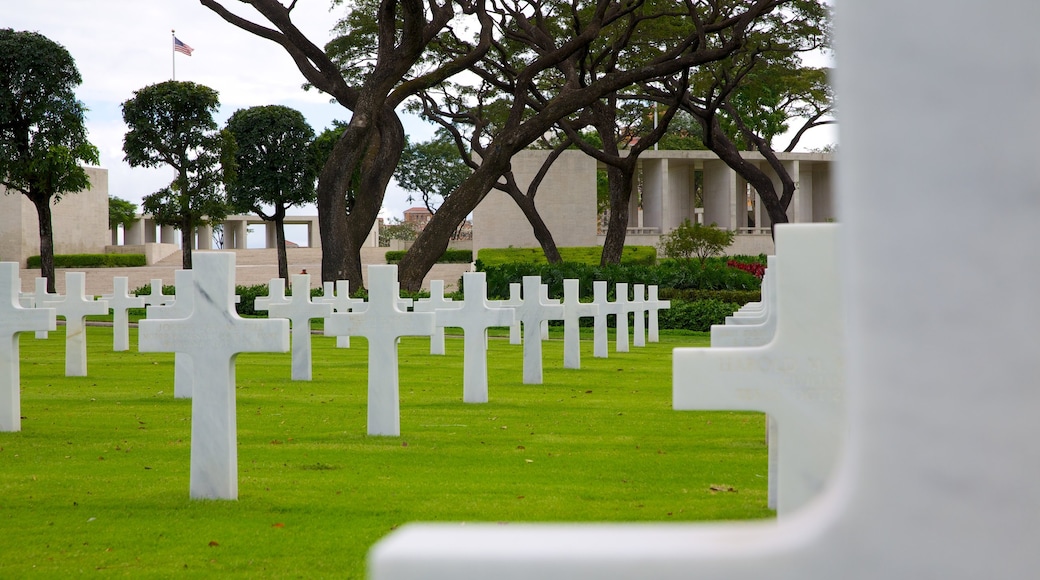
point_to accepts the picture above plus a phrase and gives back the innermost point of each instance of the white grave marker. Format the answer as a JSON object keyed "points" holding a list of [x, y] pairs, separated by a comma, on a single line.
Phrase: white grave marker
{"points": [[156, 296], [120, 301], [435, 303], [174, 307], [543, 295], [515, 300], [339, 297], [605, 309], [15, 319], [752, 331], [653, 305], [532, 312], [475, 316], [797, 377], [382, 323], [621, 320], [638, 309], [75, 306], [299, 310], [573, 309], [41, 298], [939, 476], [213, 335]]}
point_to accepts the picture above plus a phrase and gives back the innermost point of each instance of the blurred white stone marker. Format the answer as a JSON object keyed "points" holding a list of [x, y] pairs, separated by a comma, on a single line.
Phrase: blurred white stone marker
{"points": [[923, 491], [339, 297], [75, 306], [638, 309], [605, 309], [751, 331], [797, 378], [156, 297], [15, 319], [120, 300], [621, 320], [41, 298], [653, 305], [174, 307], [532, 312], [299, 310], [382, 323], [573, 310], [543, 295], [435, 303], [475, 316], [214, 335]]}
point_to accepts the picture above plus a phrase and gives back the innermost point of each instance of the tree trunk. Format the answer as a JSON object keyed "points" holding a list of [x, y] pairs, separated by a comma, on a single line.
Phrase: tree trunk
{"points": [[619, 180], [541, 231], [283, 259], [43, 215], [186, 241]]}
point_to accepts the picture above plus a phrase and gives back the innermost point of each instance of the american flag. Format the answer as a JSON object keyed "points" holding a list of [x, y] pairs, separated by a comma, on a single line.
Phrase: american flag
{"points": [[181, 47]]}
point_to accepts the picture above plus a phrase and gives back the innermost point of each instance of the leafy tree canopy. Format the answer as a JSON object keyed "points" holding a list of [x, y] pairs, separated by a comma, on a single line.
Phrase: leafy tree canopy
{"points": [[121, 212], [433, 168]]}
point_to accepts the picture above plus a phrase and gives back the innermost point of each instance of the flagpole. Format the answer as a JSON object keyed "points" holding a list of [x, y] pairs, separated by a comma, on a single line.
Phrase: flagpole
{"points": [[173, 53]]}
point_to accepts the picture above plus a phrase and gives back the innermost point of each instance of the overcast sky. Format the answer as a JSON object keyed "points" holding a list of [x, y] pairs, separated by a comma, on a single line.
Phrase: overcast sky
{"points": [[123, 45]]}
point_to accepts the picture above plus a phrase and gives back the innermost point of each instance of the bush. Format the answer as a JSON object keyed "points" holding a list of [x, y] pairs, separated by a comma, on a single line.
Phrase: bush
{"points": [[689, 240], [449, 256], [589, 255], [91, 261], [697, 316], [739, 297]]}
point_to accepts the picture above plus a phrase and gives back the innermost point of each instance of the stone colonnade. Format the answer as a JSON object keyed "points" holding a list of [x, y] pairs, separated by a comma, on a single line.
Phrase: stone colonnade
{"points": [[146, 231]]}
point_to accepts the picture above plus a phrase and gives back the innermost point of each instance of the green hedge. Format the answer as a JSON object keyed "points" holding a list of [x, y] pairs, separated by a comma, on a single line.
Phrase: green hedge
{"points": [[487, 257], [675, 275], [740, 297], [448, 257], [697, 316], [91, 261]]}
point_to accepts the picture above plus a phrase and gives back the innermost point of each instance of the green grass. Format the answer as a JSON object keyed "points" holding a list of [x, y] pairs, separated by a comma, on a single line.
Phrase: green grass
{"points": [[583, 255], [98, 477]]}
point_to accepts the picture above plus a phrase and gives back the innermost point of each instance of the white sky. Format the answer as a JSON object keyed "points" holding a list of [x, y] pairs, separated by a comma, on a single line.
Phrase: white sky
{"points": [[123, 45]]}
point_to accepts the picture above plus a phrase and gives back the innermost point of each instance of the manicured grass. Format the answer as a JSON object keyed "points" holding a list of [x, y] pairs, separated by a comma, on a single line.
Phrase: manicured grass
{"points": [[584, 255], [98, 477]]}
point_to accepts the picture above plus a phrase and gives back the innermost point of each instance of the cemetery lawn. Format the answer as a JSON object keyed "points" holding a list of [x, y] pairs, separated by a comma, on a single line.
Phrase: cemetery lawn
{"points": [[98, 477]]}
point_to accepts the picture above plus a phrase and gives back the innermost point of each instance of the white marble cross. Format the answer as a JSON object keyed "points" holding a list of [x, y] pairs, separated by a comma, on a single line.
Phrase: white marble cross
{"points": [[156, 296], [435, 303], [213, 335], [382, 323], [638, 309], [797, 377], [938, 478], [339, 297], [15, 319], [573, 310], [606, 308], [653, 305], [174, 307], [543, 295], [514, 300], [299, 310], [475, 316], [621, 320], [120, 300], [75, 306], [41, 298], [532, 312], [752, 330]]}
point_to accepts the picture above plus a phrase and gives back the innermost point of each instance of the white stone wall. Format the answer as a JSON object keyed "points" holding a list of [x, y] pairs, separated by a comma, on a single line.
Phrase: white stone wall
{"points": [[80, 221]]}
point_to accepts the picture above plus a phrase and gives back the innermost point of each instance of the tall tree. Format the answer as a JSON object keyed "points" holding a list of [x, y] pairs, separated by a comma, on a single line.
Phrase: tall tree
{"points": [[171, 123], [43, 138], [744, 101], [555, 36], [275, 168], [120, 213], [392, 67]]}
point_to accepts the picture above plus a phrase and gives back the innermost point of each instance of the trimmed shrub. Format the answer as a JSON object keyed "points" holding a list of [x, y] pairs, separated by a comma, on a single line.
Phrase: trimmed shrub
{"points": [[697, 316], [91, 261], [740, 297], [449, 256]]}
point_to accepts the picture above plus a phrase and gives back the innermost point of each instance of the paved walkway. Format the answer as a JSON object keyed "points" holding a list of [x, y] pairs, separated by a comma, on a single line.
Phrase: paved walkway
{"points": [[251, 267]]}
